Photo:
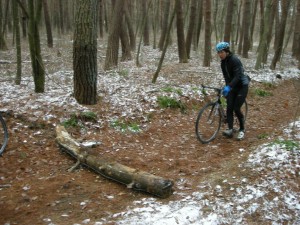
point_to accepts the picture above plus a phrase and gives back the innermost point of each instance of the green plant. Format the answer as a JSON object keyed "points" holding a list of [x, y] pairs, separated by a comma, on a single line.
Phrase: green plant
{"points": [[123, 126], [71, 122], [262, 93], [124, 72], [174, 90], [74, 120], [262, 136], [168, 102], [268, 85], [288, 144], [88, 116]]}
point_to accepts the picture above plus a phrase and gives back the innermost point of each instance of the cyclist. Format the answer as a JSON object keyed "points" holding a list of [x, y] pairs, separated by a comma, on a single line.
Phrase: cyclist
{"points": [[236, 88]]}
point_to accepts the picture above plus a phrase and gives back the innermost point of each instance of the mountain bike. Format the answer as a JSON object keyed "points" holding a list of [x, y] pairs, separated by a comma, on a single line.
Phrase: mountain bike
{"points": [[212, 115], [3, 134]]}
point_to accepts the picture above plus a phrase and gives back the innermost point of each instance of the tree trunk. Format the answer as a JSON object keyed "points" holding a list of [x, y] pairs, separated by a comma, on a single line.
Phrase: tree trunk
{"points": [[180, 33], [48, 24], [246, 28], [285, 4], [164, 48], [112, 49], [228, 21], [3, 45], [130, 28], [18, 42], [146, 23], [34, 46], [296, 38], [199, 24], [132, 178], [191, 29], [263, 46], [166, 9], [207, 48], [126, 53], [101, 15], [85, 52], [253, 19], [24, 18]]}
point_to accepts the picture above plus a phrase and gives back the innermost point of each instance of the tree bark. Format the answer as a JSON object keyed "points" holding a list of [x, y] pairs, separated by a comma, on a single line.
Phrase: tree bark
{"points": [[207, 48], [263, 46], [228, 21], [296, 38], [35, 46], [18, 42], [285, 4], [85, 52], [246, 28], [48, 24], [191, 29], [180, 33], [132, 178], [166, 8], [112, 49]]}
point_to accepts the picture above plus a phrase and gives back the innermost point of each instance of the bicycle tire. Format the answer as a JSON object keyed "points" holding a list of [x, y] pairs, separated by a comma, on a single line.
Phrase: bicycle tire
{"points": [[208, 123], [3, 135]]}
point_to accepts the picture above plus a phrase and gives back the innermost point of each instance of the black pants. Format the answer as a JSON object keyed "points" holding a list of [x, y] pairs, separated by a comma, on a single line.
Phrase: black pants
{"points": [[235, 100]]}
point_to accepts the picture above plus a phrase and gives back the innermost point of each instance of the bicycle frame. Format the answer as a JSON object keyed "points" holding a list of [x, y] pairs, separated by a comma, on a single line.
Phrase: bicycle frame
{"points": [[4, 132]]}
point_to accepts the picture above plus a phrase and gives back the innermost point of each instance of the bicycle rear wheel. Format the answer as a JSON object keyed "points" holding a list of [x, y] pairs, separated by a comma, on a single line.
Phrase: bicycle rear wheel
{"points": [[3, 135], [208, 123]]}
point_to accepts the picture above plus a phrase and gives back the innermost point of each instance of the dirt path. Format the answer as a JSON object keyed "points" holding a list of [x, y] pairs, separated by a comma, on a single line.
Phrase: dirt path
{"points": [[39, 190]]}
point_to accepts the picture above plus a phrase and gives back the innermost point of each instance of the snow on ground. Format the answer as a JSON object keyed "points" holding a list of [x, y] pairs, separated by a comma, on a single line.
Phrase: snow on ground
{"points": [[128, 89], [274, 198]]}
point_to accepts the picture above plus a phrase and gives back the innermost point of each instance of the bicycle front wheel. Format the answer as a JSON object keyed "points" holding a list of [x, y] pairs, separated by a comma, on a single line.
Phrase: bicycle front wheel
{"points": [[208, 123], [3, 135]]}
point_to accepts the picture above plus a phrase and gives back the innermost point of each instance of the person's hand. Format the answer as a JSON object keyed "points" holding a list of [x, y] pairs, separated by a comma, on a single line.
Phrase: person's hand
{"points": [[226, 90]]}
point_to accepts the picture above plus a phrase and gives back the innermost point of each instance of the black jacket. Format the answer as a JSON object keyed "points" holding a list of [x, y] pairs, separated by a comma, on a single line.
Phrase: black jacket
{"points": [[233, 72]]}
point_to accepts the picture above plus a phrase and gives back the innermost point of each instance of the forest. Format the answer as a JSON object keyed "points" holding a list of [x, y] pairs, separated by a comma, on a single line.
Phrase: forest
{"points": [[122, 79], [259, 26]]}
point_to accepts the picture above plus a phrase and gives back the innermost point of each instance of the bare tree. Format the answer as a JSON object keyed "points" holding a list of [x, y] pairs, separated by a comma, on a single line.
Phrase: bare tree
{"points": [[180, 33], [285, 4], [111, 59], [246, 28], [207, 45], [48, 24], [296, 38], [34, 12], [228, 21], [3, 45], [263, 47], [166, 10], [85, 52], [18, 41], [192, 26]]}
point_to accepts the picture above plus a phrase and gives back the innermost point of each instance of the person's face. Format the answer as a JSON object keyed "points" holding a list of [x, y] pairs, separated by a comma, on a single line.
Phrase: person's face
{"points": [[222, 54]]}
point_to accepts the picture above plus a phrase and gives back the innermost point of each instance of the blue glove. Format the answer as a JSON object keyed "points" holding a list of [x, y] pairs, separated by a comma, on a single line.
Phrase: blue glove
{"points": [[226, 90]]}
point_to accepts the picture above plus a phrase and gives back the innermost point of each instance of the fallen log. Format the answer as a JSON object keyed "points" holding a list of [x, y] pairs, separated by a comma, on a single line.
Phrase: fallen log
{"points": [[132, 178]]}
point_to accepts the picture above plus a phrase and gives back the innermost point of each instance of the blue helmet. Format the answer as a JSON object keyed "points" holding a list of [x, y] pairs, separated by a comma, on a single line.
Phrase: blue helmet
{"points": [[221, 46]]}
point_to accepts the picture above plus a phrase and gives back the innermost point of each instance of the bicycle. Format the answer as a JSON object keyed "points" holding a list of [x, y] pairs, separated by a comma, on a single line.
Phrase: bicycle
{"points": [[3, 134], [212, 115]]}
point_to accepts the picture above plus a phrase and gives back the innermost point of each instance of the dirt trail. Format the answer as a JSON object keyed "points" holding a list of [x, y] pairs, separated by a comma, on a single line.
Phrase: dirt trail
{"points": [[40, 190]]}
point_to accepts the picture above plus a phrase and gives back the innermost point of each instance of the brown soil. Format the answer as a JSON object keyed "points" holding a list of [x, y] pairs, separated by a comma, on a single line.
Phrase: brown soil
{"points": [[36, 186]]}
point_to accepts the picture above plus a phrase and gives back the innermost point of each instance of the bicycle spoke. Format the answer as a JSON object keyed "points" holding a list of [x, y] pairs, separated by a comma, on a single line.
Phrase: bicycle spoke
{"points": [[208, 123], [3, 135]]}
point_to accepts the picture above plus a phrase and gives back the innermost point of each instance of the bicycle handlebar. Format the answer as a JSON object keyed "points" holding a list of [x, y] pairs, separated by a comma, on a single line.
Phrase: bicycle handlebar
{"points": [[209, 87]]}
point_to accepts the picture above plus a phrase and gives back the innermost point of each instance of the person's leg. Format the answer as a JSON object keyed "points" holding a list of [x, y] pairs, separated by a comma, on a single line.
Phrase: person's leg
{"points": [[229, 113], [239, 101]]}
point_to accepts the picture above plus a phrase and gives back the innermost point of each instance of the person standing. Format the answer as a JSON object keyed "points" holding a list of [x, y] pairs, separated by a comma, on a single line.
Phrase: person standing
{"points": [[236, 87]]}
